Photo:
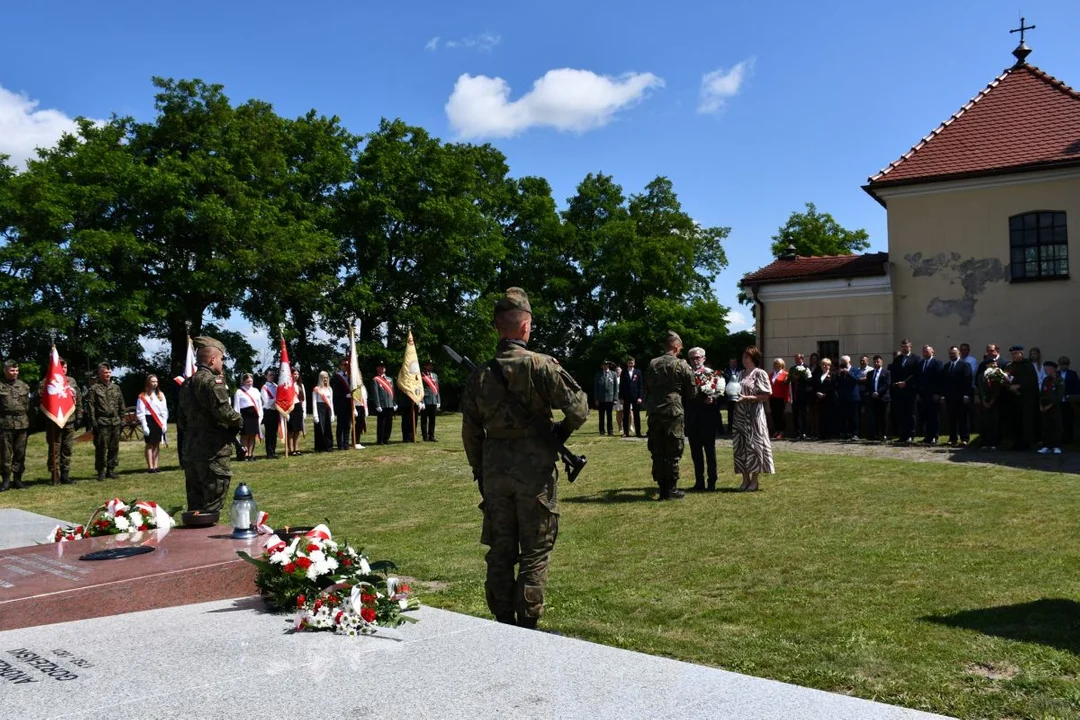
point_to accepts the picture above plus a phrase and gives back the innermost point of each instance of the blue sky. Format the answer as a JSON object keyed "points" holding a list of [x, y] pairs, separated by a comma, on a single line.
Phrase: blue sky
{"points": [[807, 101]]}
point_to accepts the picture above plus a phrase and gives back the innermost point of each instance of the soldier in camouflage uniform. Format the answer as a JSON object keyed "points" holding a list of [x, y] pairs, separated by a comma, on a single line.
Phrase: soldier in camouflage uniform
{"points": [[14, 426], [64, 436], [210, 423], [105, 405], [513, 455], [669, 384]]}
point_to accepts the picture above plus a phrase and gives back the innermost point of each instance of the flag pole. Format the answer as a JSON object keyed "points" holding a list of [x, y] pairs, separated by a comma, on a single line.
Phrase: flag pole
{"points": [[54, 446], [283, 425]]}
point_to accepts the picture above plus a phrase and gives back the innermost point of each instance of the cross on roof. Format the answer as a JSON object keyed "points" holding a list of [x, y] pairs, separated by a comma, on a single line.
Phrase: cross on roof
{"points": [[1022, 29]]}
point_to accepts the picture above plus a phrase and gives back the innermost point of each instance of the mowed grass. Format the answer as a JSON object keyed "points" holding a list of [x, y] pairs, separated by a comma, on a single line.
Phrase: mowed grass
{"points": [[944, 587]]}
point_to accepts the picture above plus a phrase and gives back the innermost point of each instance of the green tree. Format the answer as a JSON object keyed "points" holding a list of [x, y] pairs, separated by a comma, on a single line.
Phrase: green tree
{"points": [[814, 233]]}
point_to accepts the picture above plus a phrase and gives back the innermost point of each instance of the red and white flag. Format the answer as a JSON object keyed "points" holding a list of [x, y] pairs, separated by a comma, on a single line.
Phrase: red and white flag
{"points": [[189, 364], [286, 389], [58, 400]]}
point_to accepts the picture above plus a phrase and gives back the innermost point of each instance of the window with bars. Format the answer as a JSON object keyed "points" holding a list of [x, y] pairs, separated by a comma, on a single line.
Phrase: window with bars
{"points": [[1038, 246]]}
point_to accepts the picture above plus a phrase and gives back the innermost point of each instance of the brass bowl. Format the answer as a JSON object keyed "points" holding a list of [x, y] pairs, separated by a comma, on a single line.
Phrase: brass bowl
{"points": [[198, 519]]}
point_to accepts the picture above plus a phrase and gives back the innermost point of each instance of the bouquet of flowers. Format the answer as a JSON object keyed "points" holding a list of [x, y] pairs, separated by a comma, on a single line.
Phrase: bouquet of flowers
{"points": [[801, 371], [360, 608], [116, 517], [289, 573], [709, 383], [995, 377]]}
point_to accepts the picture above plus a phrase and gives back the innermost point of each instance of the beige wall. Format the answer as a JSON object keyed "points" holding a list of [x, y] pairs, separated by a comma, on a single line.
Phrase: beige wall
{"points": [[949, 254], [861, 324]]}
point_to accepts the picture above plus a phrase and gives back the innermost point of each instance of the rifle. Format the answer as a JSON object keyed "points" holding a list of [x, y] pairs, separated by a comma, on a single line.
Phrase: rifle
{"points": [[572, 464]]}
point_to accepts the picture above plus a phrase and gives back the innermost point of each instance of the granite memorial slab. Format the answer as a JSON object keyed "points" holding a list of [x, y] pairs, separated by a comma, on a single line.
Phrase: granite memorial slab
{"points": [[19, 528], [230, 659], [49, 583]]}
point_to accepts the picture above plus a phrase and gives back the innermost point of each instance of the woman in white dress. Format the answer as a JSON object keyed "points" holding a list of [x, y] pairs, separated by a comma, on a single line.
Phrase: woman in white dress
{"points": [[153, 415], [322, 413], [247, 402], [750, 444]]}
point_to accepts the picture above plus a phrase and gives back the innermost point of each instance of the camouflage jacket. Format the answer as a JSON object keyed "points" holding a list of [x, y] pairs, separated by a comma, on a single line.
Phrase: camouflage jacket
{"points": [[541, 384], [14, 405], [105, 405], [209, 420], [669, 384]]}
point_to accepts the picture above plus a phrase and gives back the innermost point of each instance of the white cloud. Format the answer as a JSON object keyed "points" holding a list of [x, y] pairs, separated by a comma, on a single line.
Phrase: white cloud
{"points": [[484, 42], [565, 99], [23, 127], [720, 85], [737, 321], [432, 44]]}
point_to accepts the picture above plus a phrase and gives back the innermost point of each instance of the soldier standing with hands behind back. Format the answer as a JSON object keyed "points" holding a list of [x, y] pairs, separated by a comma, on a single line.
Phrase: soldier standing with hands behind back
{"points": [[105, 406], [210, 426], [14, 426], [669, 384], [511, 443]]}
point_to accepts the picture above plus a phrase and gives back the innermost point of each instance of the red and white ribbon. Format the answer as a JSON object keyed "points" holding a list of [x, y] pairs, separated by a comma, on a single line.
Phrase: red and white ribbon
{"points": [[274, 544], [115, 505], [260, 524], [319, 531]]}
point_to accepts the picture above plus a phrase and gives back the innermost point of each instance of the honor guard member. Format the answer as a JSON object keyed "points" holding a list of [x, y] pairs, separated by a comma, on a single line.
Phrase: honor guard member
{"points": [[432, 401], [510, 442], [382, 402], [65, 436], [669, 384], [105, 405], [1023, 406], [14, 426], [210, 425]]}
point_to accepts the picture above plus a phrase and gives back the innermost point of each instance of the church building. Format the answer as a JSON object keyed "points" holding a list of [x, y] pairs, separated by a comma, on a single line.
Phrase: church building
{"points": [[980, 216]]}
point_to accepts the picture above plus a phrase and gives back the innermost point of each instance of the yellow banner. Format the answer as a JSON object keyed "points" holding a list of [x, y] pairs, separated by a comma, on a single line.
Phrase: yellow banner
{"points": [[408, 378]]}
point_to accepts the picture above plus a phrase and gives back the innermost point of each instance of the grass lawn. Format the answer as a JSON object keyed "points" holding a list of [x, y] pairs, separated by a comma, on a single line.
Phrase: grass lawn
{"points": [[945, 587]]}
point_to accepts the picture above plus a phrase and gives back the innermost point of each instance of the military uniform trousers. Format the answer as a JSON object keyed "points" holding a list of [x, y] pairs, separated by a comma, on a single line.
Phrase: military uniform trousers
{"points": [[106, 447], [521, 522], [666, 447], [12, 453], [384, 426], [427, 422], [65, 438], [207, 480], [1051, 426]]}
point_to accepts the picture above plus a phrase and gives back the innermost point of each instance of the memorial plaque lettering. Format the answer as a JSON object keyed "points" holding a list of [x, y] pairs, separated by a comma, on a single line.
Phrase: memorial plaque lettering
{"points": [[22, 665]]}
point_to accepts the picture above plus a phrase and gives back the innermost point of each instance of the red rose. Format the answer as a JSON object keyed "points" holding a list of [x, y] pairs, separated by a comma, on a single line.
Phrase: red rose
{"points": [[303, 562], [300, 600], [142, 527], [368, 614], [346, 562], [404, 588], [365, 598], [289, 567], [318, 604], [78, 530], [337, 616], [119, 513], [312, 548]]}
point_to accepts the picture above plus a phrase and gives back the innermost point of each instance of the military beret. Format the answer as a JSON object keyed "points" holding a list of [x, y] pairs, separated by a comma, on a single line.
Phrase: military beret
{"points": [[1050, 363], [514, 299], [11, 364], [1016, 348], [206, 341]]}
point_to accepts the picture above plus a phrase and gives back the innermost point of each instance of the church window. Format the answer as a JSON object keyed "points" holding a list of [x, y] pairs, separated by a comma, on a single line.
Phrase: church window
{"points": [[1038, 246]]}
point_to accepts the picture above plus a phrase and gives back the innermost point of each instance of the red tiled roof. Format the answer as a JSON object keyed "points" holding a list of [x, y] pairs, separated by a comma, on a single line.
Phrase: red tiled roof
{"points": [[821, 267], [1023, 120]]}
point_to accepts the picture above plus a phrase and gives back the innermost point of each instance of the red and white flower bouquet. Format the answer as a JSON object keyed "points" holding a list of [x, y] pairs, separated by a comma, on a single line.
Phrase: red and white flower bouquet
{"points": [[364, 608], [116, 517]]}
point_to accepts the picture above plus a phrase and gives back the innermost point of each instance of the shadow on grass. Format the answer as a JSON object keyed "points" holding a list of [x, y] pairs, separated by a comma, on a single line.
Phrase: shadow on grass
{"points": [[1050, 621], [1067, 462], [615, 496]]}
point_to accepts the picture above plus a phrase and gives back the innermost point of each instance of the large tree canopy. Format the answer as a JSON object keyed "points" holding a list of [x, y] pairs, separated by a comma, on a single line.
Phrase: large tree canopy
{"points": [[816, 233]]}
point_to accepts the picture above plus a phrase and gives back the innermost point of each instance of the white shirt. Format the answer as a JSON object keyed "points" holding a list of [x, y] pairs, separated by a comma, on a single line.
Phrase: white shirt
{"points": [[318, 397], [269, 396], [157, 401], [246, 397]]}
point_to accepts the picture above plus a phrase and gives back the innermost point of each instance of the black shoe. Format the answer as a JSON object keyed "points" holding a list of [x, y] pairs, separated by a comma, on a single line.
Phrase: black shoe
{"points": [[434, 439], [101, 477], [17, 483], [112, 475], [698, 487], [5, 484]]}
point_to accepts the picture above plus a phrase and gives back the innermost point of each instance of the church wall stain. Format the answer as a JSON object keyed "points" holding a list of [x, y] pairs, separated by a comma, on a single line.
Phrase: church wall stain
{"points": [[972, 274]]}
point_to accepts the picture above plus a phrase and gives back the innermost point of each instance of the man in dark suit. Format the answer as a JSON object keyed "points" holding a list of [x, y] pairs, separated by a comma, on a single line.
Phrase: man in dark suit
{"points": [[800, 396], [956, 389], [342, 405], [902, 374], [928, 384], [1071, 381], [632, 393], [876, 390]]}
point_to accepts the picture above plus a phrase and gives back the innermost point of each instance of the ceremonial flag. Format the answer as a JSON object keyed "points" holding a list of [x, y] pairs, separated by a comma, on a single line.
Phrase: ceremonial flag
{"points": [[286, 390], [58, 401], [356, 380], [408, 378], [189, 364]]}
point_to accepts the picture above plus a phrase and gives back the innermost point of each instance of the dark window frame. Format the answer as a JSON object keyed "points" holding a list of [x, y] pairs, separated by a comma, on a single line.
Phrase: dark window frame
{"points": [[1038, 246], [824, 345]]}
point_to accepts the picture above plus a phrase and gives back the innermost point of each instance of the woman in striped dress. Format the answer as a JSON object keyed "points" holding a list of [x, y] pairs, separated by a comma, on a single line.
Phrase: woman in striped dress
{"points": [[750, 447]]}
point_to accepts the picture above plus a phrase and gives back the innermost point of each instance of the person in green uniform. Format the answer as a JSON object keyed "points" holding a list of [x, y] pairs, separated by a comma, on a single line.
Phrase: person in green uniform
{"points": [[669, 385], [1023, 407], [1051, 396], [210, 424], [14, 426], [511, 442], [64, 436], [105, 404], [989, 389]]}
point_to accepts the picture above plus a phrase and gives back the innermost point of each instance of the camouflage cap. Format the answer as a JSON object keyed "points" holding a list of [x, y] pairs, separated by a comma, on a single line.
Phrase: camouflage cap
{"points": [[206, 341], [514, 299], [671, 338]]}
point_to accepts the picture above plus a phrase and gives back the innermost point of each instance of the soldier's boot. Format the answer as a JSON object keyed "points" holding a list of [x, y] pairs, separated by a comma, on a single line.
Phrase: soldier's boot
{"points": [[506, 619], [65, 478], [101, 476], [17, 483], [5, 484], [112, 475]]}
